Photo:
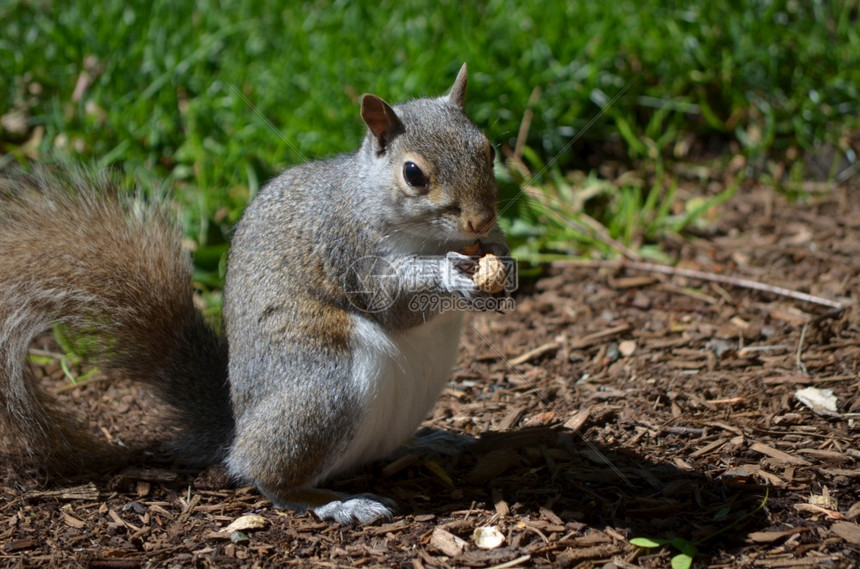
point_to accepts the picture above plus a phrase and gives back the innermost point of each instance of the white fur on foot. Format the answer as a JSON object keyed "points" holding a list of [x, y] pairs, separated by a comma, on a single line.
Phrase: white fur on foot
{"points": [[356, 510]]}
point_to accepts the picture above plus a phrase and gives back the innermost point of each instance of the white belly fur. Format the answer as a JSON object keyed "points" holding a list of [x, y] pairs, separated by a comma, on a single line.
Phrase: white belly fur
{"points": [[399, 376]]}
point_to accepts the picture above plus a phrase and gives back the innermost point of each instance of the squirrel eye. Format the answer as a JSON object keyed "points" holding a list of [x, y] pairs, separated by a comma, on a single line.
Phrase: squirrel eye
{"points": [[413, 175]]}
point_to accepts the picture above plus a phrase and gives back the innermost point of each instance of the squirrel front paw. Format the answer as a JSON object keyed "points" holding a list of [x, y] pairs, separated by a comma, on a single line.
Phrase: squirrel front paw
{"points": [[457, 274], [356, 510]]}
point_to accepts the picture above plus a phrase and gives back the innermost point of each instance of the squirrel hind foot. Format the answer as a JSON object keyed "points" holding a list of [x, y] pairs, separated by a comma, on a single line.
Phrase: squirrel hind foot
{"points": [[360, 509], [329, 506]]}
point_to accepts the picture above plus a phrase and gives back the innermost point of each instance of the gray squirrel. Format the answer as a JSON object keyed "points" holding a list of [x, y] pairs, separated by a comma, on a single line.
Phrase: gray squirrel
{"points": [[327, 362]]}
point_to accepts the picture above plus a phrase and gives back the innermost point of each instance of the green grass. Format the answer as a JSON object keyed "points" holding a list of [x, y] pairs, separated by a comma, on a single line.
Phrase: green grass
{"points": [[214, 97]]}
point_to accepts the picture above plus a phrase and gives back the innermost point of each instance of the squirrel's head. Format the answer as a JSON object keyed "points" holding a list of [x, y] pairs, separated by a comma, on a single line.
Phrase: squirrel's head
{"points": [[437, 164]]}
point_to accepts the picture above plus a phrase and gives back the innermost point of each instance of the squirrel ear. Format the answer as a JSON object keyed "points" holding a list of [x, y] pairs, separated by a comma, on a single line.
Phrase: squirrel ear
{"points": [[457, 95], [380, 118]]}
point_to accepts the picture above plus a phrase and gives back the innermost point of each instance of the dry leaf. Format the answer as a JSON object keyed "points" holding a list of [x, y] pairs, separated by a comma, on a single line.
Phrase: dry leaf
{"points": [[832, 514], [825, 500], [820, 401], [245, 523]]}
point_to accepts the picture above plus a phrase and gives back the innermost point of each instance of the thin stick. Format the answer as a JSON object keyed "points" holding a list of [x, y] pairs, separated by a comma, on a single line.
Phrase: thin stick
{"points": [[513, 562], [798, 356], [712, 277], [535, 353]]}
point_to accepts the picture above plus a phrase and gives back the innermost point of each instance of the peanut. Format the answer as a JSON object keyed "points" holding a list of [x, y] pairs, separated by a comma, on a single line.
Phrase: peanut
{"points": [[490, 276]]}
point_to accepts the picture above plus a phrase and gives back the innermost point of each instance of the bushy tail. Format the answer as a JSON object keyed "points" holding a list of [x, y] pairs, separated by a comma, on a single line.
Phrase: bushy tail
{"points": [[73, 251]]}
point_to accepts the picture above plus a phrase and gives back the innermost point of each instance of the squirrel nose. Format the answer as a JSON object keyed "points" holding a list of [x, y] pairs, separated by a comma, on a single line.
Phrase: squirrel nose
{"points": [[478, 223]]}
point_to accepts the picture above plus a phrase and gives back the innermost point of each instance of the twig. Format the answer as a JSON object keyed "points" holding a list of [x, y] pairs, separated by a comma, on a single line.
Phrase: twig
{"points": [[837, 307], [798, 362], [535, 353], [87, 492], [513, 562], [677, 430], [591, 339], [729, 401]]}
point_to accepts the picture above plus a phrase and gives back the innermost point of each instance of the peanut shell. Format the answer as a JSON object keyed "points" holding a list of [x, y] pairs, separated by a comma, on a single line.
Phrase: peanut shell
{"points": [[490, 276]]}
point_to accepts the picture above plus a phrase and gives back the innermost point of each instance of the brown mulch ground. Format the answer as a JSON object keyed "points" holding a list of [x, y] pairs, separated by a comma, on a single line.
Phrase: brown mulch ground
{"points": [[610, 405]]}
